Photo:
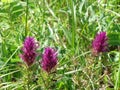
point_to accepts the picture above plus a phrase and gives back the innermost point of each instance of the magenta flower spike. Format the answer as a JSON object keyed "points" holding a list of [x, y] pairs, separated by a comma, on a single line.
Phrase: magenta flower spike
{"points": [[29, 51], [100, 43], [49, 59]]}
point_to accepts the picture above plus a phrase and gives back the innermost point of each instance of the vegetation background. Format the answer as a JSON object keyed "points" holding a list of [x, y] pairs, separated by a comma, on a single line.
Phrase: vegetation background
{"points": [[69, 26]]}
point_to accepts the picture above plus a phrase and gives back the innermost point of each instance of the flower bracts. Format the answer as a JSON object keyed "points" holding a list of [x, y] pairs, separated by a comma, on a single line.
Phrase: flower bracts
{"points": [[49, 59], [29, 51], [100, 43]]}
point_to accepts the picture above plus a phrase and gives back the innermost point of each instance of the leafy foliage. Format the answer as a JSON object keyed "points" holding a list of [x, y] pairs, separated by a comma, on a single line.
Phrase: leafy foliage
{"points": [[69, 26]]}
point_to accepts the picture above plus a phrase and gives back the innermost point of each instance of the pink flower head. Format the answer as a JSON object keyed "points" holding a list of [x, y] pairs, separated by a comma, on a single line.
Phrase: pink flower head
{"points": [[29, 51], [100, 43], [49, 59]]}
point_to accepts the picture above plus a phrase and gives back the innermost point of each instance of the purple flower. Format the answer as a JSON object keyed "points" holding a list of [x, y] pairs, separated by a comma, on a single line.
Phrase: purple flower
{"points": [[49, 59], [29, 51], [100, 43]]}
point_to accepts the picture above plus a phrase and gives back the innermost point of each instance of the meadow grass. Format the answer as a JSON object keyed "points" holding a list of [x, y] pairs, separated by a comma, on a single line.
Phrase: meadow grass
{"points": [[70, 27]]}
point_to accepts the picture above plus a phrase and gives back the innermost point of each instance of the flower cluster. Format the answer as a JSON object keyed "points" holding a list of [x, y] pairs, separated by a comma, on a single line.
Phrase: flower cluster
{"points": [[100, 43], [29, 51], [49, 59]]}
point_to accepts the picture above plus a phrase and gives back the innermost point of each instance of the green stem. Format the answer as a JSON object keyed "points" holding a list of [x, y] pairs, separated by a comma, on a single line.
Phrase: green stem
{"points": [[43, 81], [28, 78], [28, 82], [26, 21], [73, 28]]}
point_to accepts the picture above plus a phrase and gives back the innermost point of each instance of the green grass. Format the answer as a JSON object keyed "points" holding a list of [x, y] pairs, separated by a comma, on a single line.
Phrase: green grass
{"points": [[69, 26]]}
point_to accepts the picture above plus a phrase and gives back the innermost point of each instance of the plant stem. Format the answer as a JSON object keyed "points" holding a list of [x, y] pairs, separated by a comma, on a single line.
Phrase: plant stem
{"points": [[28, 83], [73, 28], [43, 81], [26, 21], [28, 78]]}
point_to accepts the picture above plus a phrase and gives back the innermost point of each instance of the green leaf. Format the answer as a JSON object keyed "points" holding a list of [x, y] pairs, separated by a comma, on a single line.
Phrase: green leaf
{"points": [[114, 38]]}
